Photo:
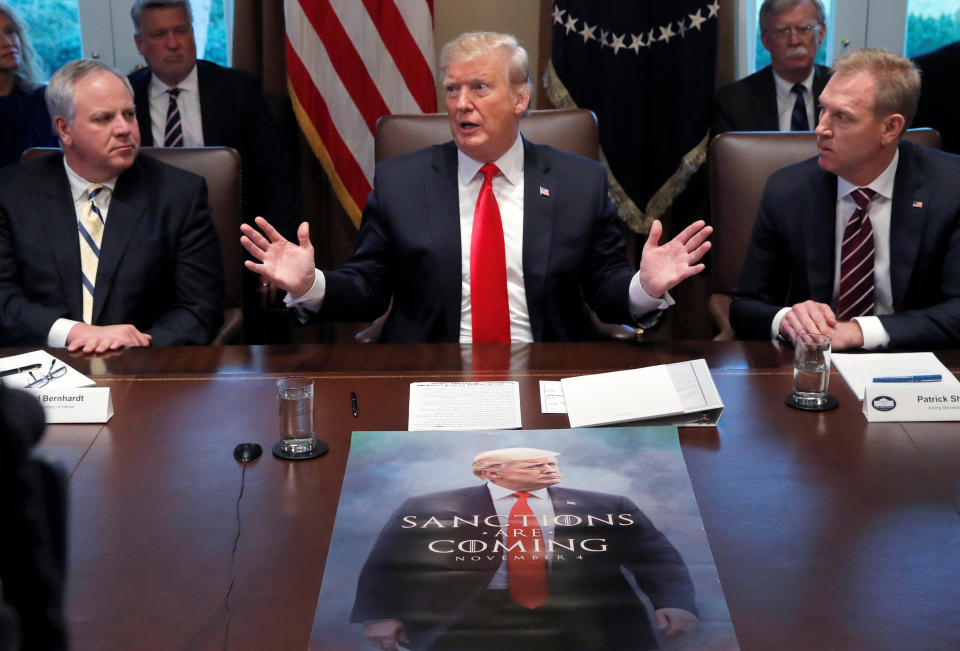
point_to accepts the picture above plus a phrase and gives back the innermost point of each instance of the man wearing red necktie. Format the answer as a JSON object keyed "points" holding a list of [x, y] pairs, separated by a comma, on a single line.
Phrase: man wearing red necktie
{"points": [[488, 237], [861, 243], [521, 563]]}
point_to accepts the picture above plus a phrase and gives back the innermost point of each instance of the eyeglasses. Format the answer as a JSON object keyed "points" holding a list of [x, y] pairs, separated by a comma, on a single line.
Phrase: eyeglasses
{"points": [[45, 379], [803, 31]]}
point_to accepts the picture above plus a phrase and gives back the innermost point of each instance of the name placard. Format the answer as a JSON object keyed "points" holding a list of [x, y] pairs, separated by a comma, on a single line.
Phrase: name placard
{"points": [[75, 405], [911, 402]]}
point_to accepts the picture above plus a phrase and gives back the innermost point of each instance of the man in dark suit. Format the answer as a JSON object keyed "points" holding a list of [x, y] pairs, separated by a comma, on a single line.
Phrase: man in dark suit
{"points": [[99, 248], [424, 236], [939, 97], [216, 106], [863, 242], [783, 95], [436, 577]]}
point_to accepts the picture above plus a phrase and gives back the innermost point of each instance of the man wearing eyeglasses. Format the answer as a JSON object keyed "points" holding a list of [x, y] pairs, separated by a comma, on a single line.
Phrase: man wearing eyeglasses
{"points": [[784, 95]]}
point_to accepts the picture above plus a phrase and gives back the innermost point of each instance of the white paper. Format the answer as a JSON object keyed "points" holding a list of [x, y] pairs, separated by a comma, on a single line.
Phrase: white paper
{"points": [[464, 405], [72, 378], [620, 396], [859, 369], [551, 397]]}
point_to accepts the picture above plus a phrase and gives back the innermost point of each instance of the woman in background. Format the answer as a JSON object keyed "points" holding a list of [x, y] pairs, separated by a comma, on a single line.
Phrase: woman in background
{"points": [[24, 121]]}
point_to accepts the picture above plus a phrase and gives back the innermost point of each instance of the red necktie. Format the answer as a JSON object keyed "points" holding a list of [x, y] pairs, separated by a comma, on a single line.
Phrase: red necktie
{"points": [[488, 267], [856, 261], [527, 569]]}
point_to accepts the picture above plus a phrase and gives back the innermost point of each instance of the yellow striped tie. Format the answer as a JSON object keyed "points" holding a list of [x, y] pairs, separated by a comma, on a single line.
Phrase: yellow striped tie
{"points": [[90, 228]]}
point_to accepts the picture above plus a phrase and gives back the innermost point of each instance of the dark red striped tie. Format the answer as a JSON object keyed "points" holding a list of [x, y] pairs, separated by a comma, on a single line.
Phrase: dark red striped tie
{"points": [[856, 261], [488, 267]]}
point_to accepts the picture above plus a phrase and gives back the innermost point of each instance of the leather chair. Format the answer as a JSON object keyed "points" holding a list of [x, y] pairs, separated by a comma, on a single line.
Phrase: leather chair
{"points": [[220, 166], [740, 164], [573, 130]]}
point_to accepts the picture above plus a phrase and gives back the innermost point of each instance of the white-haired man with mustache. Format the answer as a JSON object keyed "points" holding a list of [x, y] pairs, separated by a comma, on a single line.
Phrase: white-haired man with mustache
{"points": [[784, 95]]}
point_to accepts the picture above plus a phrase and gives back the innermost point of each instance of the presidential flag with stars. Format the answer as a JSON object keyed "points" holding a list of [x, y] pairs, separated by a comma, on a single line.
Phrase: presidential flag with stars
{"points": [[646, 68]]}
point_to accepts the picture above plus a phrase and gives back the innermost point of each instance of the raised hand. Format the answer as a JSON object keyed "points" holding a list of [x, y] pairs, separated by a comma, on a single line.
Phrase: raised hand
{"points": [[663, 267], [282, 263]]}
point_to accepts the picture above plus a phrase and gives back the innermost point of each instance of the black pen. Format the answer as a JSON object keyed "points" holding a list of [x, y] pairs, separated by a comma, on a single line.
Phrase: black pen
{"points": [[22, 369], [353, 403]]}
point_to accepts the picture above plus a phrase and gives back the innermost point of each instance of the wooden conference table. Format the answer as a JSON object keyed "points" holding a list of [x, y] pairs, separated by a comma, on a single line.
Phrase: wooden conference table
{"points": [[828, 532]]}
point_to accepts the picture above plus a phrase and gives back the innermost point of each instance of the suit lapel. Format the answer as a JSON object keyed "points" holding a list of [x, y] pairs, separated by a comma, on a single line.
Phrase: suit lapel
{"points": [[127, 206], [907, 217], [441, 201], [141, 99], [209, 105], [64, 236], [767, 107], [538, 214], [820, 236]]}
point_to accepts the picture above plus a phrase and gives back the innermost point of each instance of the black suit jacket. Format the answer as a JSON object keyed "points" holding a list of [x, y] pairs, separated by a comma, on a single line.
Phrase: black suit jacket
{"points": [[750, 104], [235, 114], [429, 590], [409, 248], [939, 97], [159, 266], [792, 249]]}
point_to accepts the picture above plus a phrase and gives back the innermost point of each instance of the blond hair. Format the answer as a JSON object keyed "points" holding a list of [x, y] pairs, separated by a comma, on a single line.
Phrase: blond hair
{"points": [[470, 45], [497, 458]]}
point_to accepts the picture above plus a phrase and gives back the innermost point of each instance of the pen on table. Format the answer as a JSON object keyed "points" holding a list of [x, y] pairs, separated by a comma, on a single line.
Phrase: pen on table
{"points": [[22, 369], [353, 403], [909, 378]]}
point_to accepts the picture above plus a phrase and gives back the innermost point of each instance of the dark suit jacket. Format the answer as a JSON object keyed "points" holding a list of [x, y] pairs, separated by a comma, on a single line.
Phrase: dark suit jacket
{"points": [[939, 97], [792, 249], [409, 247], [750, 104], [33, 510], [235, 114], [427, 590], [159, 263]]}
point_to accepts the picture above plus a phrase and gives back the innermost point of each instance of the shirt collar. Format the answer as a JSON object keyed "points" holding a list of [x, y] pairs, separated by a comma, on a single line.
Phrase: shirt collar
{"points": [[882, 185], [499, 492], [79, 185], [510, 164], [156, 87], [785, 88]]}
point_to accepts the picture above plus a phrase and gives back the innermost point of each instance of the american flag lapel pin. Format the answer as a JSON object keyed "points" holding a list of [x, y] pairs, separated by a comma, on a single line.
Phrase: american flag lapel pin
{"points": [[918, 204], [544, 192]]}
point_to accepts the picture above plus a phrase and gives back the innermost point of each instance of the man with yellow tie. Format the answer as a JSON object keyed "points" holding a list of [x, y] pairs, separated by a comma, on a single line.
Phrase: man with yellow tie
{"points": [[100, 248]]}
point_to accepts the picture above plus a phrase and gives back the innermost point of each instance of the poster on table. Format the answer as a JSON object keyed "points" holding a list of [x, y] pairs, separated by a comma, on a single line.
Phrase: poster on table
{"points": [[428, 550]]}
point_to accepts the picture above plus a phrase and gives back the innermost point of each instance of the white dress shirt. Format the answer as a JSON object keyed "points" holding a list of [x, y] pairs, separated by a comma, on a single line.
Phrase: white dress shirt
{"points": [[879, 209], [191, 121], [542, 507], [508, 191], [786, 99], [78, 190]]}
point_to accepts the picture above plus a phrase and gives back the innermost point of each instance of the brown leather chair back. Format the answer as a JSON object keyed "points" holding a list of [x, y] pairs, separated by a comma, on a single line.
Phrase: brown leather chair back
{"points": [[573, 130], [740, 164], [220, 166]]}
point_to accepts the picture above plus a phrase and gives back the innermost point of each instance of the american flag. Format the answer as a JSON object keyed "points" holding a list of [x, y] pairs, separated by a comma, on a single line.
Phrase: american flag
{"points": [[348, 63]]}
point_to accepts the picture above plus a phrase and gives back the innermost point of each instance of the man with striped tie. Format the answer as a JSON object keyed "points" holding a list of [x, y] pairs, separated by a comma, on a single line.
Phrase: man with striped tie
{"points": [[101, 249], [862, 242]]}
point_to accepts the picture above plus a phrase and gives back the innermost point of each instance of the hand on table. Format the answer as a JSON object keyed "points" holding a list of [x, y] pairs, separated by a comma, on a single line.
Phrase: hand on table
{"points": [[100, 339]]}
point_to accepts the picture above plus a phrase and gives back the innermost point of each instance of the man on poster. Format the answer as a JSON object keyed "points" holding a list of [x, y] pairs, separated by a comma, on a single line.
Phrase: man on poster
{"points": [[519, 563]]}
